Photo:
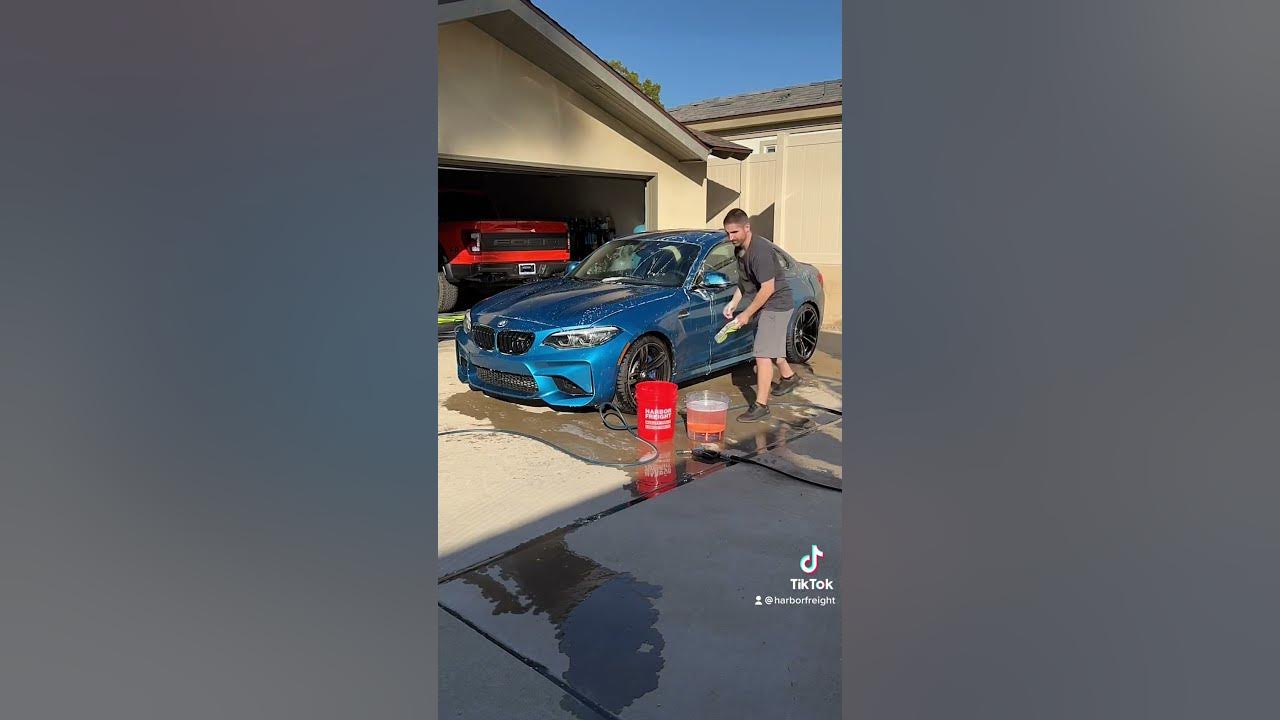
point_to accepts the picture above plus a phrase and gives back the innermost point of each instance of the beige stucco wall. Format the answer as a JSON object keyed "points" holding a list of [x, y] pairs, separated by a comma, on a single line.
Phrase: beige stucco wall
{"points": [[496, 106], [793, 195]]}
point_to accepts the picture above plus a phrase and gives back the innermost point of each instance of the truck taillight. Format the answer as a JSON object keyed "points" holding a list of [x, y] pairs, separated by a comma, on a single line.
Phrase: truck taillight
{"points": [[820, 282], [474, 245]]}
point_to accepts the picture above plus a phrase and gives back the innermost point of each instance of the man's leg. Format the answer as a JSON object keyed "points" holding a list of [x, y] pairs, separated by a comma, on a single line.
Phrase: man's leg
{"points": [[764, 380], [784, 367], [789, 379], [770, 343], [759, 410]]}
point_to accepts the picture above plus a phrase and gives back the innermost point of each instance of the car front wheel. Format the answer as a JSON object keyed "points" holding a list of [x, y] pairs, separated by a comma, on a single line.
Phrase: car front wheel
{"points": [[646, 359]]}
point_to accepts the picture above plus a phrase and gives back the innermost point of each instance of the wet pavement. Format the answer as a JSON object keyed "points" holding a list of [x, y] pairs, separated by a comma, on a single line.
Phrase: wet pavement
{"points": [[649, 612], [629, 592], [477, 665], [497, 491], [583, 433], [603, 619]]}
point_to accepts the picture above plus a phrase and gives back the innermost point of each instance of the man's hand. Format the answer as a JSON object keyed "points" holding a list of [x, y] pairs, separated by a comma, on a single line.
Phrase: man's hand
{"points": [[728, 310]]}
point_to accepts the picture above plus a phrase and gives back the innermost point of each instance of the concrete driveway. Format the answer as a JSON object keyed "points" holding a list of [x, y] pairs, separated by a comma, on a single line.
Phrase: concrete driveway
{"points": [[629, 592]]}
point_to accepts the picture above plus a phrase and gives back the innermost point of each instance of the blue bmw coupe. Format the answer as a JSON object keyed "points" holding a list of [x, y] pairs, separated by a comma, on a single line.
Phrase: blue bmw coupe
{"points": [[644, 307]]}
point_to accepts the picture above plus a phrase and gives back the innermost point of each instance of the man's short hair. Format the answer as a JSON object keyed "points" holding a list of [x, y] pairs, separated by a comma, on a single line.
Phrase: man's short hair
{"points": [[736, 216]]}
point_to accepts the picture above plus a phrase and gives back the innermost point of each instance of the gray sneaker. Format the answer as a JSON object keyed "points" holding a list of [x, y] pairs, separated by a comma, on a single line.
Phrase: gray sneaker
{"points": [[786, 385], [756, 413]]}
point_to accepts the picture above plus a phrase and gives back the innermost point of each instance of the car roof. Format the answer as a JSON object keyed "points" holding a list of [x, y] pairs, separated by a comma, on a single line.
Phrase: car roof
{"points": [[704, 238]]}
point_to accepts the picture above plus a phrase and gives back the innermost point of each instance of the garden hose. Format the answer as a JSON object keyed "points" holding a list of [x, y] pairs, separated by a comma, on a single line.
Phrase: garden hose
{"points": [[729, 458]]}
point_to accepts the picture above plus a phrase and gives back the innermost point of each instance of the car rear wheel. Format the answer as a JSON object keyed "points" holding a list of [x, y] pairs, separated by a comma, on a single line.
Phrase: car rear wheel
{"points": [[448, 294], [646, 359], [802, 341]]}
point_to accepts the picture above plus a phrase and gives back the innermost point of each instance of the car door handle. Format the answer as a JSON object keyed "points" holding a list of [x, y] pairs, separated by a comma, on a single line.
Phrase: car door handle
{"points": [[683, 314]]}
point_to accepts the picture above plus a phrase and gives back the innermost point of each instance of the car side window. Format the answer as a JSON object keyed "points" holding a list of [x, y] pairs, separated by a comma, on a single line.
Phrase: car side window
{"points": [[722, 259]]}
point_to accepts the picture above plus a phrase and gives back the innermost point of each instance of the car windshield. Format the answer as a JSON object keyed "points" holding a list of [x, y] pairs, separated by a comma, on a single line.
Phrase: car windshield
{"points": [[643, 262]]}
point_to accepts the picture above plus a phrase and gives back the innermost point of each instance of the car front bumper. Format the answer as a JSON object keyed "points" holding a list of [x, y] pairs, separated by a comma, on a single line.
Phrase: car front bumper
{"points": [[581, 377]]}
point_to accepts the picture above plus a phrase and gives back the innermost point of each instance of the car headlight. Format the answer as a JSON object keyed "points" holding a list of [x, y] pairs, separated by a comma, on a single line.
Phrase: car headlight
{"points": [[584, 338], [466, 322]]}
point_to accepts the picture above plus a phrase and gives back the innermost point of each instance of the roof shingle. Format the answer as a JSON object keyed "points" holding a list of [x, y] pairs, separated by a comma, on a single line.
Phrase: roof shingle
{"points": [[788, 98]]}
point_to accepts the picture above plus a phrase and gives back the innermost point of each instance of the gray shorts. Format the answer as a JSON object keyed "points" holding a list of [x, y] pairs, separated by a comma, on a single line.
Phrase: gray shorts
{"points": [[771, 333]]}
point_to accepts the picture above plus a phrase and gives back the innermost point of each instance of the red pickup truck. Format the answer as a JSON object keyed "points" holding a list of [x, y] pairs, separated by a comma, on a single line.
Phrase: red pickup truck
{"points": [[478, 246]]}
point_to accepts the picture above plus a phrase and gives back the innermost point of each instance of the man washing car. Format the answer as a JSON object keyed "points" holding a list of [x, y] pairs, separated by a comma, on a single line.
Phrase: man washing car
{"points": [[760, 273]]}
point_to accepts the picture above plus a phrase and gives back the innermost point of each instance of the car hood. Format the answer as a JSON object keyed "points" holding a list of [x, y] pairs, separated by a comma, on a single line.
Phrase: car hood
{"points": [[564, 302]]}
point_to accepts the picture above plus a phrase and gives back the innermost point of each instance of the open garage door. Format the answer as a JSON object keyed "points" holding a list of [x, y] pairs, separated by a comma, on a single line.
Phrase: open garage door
{"points": [[529, 224], [585, 202]]}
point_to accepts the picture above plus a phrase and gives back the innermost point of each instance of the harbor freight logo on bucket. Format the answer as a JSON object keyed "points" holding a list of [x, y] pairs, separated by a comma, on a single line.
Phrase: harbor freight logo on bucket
{"points": [[658, 418], [809, 563]]}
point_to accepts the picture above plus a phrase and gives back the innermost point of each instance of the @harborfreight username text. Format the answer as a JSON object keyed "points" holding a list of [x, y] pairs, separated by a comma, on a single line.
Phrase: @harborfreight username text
{"points": [[792, 600]]}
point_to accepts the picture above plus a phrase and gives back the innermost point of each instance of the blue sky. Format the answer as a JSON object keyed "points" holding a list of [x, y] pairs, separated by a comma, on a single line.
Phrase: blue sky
{"points": [[698, 49]]}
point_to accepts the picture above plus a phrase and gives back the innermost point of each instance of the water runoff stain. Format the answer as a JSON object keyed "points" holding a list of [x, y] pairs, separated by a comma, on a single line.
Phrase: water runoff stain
{"points": [[606, 621]]}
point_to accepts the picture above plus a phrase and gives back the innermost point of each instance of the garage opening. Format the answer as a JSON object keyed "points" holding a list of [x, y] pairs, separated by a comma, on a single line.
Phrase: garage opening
{"points": [[544, 212], [592, 205]]}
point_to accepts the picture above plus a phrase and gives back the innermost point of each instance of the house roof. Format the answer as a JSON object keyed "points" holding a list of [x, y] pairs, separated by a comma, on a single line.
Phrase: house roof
{"points": [[827, 92], [720, 147], [526, 29]]}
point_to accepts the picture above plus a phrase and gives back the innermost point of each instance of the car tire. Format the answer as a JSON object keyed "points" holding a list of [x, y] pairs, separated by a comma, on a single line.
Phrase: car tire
{"points": [[802, 336], [448, 294], [651, 350]]}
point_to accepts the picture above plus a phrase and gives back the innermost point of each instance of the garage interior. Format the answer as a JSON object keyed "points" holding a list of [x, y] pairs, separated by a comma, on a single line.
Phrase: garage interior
{"points": [[585, 201]]}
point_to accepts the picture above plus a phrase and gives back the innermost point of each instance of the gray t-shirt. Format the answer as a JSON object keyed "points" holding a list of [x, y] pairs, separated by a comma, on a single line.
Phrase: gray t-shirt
{"points": [[758, 263]]}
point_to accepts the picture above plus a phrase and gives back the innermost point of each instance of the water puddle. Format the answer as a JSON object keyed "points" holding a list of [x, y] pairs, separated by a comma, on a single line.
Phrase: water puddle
{"points": [[605, 621]]}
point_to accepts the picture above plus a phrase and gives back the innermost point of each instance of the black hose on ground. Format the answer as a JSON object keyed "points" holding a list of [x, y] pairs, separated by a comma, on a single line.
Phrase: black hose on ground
{"points": [[731, 458]]}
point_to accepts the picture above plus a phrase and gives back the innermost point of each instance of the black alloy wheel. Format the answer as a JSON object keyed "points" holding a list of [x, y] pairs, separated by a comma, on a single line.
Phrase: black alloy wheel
{"points": [[802, 341], [646, 359]]}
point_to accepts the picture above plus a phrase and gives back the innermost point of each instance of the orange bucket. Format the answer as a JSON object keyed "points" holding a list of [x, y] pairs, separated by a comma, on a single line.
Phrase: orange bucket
{"points": [[707, 413]]}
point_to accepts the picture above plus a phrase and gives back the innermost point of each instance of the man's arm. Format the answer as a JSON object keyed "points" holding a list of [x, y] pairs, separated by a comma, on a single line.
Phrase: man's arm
{"points": [[766, 289], [733, 302]]}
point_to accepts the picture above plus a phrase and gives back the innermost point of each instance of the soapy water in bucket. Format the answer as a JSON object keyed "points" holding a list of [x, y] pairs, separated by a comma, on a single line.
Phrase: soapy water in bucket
{"points": [[707, 415]]}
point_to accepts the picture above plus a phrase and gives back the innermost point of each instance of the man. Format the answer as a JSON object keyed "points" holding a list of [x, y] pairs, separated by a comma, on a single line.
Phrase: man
{"points": [[760, 273]]}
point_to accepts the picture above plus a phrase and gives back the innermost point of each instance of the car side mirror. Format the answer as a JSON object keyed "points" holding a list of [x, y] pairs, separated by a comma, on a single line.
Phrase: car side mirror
{"points": [[715, 280], [568, 269]]}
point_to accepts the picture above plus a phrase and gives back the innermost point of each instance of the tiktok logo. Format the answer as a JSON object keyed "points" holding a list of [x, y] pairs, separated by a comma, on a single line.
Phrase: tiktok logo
{"points": [[809, 563]]}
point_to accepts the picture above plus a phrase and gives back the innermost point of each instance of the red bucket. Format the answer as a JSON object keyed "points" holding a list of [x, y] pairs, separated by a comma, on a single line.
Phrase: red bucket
{"points": [[658, 476], [656, 410]]}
